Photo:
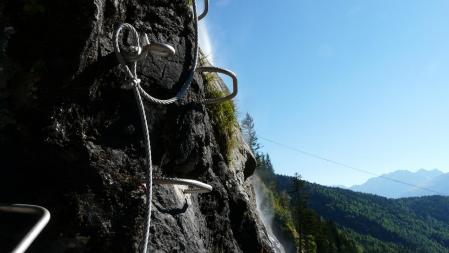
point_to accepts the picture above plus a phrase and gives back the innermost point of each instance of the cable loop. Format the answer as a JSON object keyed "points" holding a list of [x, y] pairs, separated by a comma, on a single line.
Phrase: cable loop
{"points": [[129, 60], [136, 48]]}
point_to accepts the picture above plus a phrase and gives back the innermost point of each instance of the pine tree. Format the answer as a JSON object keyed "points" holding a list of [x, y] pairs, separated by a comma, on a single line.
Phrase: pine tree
{"points": [[249, 133], [299, 203]]}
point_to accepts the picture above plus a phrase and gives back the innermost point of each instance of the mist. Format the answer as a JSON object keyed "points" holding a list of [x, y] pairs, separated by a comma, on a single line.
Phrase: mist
{"points": [[266, 212]]}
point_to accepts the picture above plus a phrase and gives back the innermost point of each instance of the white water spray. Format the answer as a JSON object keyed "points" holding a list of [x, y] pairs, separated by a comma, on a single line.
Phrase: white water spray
{"points": [[266, 212]]}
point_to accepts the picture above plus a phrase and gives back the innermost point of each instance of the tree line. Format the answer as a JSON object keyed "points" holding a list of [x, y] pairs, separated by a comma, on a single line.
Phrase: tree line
{"points": [[293, 219]]}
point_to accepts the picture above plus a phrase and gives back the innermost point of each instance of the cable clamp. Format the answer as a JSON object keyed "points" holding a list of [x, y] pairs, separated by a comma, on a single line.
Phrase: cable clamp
{"points": [[135, 83]]}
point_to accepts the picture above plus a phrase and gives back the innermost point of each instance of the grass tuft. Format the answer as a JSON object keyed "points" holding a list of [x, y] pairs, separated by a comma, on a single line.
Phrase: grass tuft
{"points": [[223, 115]]}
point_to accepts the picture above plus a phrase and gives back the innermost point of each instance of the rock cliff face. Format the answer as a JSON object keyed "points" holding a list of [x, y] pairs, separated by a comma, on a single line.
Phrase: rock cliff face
{"points": [[70, 137]]}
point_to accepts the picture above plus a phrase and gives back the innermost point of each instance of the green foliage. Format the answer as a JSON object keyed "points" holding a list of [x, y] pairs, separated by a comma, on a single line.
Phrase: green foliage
{"points": [[282, 211], [293, 219], [383, 225], [33, 7], [204, 59], [331, 220], [210, 78], [223, 116], [249, 133], [316, 233], [283, 223], [265, 170]]}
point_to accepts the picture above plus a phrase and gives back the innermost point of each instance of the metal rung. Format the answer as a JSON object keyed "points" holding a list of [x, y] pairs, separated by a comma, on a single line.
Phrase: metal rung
{"points": [[44, 217], [194, 186], [205, 11], [222, 71]]}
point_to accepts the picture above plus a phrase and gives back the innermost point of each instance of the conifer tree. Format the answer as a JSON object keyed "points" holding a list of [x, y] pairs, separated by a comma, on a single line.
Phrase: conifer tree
{"points": [[249, 133]]}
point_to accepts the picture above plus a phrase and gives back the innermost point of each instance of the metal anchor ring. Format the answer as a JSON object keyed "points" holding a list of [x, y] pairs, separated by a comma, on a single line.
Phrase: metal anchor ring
{"points": [[137, 52]]}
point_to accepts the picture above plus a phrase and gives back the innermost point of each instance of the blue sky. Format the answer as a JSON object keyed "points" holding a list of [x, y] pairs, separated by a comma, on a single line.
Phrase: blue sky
{"points": [[362, 82]]}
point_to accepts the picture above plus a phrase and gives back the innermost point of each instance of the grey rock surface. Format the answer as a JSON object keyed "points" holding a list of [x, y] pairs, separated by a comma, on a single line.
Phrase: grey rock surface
{"points": [[70, 137]]}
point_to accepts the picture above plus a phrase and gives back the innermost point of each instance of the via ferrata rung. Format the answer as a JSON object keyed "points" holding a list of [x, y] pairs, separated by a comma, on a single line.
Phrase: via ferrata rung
{"points": [[138, 53], [129, 61], [44, 217], [205, 11], [229, 73], [194, 186]]}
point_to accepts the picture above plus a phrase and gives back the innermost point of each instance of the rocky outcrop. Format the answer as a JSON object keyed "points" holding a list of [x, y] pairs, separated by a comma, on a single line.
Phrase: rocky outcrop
{"points": [[70, 137]]}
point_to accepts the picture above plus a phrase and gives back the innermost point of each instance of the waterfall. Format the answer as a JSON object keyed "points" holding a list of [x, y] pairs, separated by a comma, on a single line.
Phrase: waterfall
{"points": [[266, 212]]}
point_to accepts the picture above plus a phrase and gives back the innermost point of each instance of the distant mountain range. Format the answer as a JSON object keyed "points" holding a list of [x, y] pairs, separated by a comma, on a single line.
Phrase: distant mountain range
{"points": [[403, 183]]}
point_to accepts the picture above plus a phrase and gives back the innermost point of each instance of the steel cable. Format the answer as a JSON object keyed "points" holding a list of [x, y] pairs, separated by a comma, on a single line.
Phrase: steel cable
{"points": [[131, 58]]}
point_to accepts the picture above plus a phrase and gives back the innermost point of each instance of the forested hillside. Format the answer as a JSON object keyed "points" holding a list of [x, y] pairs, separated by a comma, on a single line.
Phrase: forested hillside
{"points": [[300, 228], [379, 224], [316, 218], [295, 223]]}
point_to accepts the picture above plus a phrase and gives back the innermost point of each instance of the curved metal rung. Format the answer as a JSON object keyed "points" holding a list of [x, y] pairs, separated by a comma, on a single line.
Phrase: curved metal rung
{"points": [[205, 11], [44, 217], [226, 72], [139, 53], [194, 186]]}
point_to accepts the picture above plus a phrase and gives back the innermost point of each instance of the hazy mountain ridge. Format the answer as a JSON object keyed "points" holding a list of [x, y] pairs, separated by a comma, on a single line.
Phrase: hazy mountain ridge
{"points": [[419, 183], [439, 184]]}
